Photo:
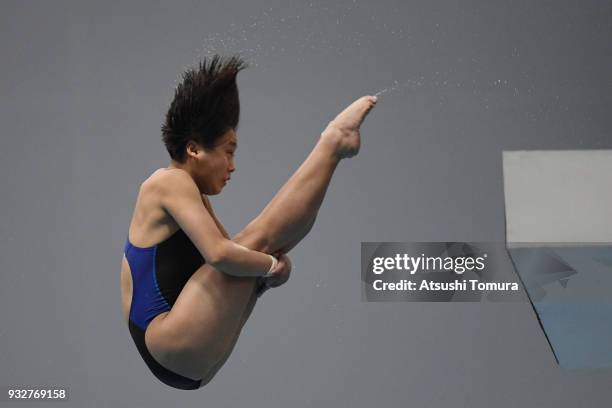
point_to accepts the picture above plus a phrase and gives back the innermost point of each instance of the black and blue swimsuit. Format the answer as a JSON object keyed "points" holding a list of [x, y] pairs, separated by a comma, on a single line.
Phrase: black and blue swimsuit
{"points": [[159, 273]]}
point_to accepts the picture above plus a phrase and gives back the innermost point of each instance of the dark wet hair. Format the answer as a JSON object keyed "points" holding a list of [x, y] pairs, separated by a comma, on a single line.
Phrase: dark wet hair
{"points": [[205, 105]]}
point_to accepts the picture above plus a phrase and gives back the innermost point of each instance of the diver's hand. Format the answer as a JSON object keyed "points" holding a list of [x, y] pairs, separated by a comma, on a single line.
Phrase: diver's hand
{"points": [[280, 275]]}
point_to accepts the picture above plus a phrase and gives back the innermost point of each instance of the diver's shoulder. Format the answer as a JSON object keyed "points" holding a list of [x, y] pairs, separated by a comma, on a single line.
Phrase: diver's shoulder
{"points": [[166, 180]]}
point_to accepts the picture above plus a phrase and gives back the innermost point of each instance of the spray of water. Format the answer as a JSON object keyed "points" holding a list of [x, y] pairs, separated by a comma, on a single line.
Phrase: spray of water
{"points": [[410, 84], [266, 35]]}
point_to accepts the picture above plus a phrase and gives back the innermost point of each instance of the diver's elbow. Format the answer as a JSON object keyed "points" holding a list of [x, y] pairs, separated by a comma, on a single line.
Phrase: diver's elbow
{"points": [[219, 256]]}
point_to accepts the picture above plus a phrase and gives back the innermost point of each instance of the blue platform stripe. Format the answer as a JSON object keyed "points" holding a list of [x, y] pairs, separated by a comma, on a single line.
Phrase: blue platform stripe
{"points": [[570, 289], [580, 333]]}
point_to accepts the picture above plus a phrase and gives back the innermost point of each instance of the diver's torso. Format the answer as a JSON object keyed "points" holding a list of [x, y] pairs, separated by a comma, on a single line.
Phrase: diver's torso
{"points": [[151, 226]]}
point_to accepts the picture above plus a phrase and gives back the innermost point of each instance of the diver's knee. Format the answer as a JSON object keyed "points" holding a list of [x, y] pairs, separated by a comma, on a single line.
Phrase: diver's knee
{"points": [[255, 237]]}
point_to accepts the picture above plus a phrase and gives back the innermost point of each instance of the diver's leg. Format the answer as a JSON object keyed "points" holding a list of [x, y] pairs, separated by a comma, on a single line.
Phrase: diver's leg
{"points": [[296, 205], [285, 221], [291, 213]]}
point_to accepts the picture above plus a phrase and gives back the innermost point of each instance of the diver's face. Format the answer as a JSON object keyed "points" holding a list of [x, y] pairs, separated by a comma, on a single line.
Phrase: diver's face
{"points": [[214, 166]]}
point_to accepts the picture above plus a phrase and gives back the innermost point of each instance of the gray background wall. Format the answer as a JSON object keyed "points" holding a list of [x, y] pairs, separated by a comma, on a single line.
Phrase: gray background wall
{"points": [[84, 88]]}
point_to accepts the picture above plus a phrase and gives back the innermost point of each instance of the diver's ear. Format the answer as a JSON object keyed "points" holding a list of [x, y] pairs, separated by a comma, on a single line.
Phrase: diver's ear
{"points": [[193, 149]]}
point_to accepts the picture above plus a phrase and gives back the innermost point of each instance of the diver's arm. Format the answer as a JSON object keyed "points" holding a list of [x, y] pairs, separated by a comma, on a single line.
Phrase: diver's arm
{"points": [[208, 206], [181, 198], [281, 272]]}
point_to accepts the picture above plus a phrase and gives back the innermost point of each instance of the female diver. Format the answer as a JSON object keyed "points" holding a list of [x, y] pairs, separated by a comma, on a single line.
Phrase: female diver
{"points": [[188, 288]]}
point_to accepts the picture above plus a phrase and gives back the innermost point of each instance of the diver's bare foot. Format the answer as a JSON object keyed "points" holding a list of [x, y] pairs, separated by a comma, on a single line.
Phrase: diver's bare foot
{"points": [[343, 132]]}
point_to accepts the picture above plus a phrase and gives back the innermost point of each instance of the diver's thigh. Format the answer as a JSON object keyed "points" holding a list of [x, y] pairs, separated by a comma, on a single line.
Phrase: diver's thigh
{"points": [[202, 324], [211, 304]]}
